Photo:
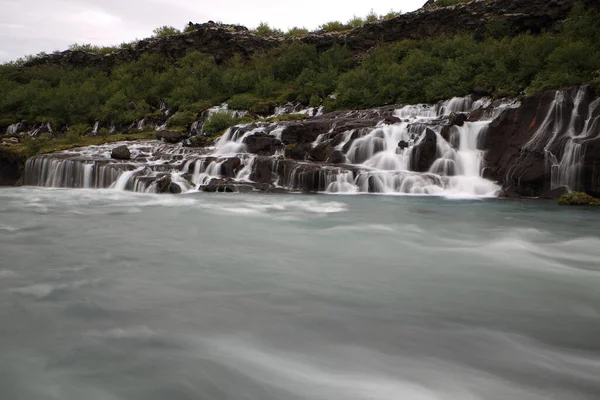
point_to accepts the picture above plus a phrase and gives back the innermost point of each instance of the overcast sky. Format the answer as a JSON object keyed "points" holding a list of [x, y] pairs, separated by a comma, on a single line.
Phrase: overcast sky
{"points": [[32, 26]]}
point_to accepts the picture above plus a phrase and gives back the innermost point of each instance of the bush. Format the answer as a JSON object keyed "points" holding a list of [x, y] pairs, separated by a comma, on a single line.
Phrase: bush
{"points": [[218, 122], [182, 119], [242, 101], [263, 29], [165, 31], [296, 32], [334, 26]]}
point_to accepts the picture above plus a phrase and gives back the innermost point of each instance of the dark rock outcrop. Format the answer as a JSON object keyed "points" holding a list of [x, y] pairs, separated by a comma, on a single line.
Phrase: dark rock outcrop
{"points": [[262, 170], [337, 157], [10, 168], [171, 136], [121, 153], [424, 152], [262, 143], [223, 41], [523, 144]]}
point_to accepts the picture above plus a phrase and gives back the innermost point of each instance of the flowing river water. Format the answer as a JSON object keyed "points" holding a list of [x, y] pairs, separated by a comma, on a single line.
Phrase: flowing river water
{"points": [[106, 294]]}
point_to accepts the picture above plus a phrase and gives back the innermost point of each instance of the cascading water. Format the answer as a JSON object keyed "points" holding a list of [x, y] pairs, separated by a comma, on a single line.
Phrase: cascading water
{"points": [[411, 150], [570, 121]]}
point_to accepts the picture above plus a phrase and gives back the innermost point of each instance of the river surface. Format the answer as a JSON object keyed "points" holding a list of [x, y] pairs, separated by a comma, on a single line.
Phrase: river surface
{"points": [[117, 295]]}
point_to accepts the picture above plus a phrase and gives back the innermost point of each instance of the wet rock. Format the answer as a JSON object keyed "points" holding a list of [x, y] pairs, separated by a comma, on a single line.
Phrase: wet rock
{"points": [[516, 160], [171, 136], [391, 120], [424, 152], [403, 144], [10, 168], [555, 193], [121, 153], [262, 143], [174, 188], [197, 141], [262, 170], [297, 151], [457, 119], [337, 157], [230, 167], [321, 151]]}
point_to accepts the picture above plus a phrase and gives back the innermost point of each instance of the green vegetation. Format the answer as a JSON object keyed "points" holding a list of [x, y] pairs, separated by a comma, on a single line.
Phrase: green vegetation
{"points": [[357, 22], [578, 199], [218, 122], [263, 29], [411, 71], [165, 31], [31, 146]]}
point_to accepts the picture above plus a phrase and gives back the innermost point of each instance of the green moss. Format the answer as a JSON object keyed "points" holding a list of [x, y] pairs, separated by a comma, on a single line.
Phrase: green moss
{"points": [[578, 199], [286, 117]]}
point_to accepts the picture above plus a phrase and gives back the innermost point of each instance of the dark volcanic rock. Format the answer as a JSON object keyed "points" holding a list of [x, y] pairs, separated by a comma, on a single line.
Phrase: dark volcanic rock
{"points": [[297, 151], [424, 152], [121, 153], [230, 167], [337, 157], [171, 136], [321, 151], [403, 144], [262, 143], [520, 141], [555, 193], [223, 41], [10, 169], [262, 170]]}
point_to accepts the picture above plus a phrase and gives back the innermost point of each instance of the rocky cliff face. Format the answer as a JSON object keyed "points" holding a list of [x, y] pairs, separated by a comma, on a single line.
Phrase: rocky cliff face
{"points": [[222, 41], [551, 140]]}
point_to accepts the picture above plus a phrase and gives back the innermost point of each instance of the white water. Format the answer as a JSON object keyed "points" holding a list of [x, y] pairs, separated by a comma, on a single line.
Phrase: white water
{"points": [[375, 162]]}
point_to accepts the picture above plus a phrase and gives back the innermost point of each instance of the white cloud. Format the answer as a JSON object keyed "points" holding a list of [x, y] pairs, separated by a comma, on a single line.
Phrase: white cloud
{"points": [[31, 26]]}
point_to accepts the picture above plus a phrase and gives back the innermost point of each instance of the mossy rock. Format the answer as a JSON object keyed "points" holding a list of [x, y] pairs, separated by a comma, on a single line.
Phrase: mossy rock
{"points": [[578, 199]]}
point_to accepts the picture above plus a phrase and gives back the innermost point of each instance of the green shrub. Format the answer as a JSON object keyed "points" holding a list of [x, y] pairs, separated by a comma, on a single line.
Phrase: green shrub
{"points": [[182, 119], [263, 29], [296, 32], [334, 26], [218, 122], [242, 101], [165, 31]]}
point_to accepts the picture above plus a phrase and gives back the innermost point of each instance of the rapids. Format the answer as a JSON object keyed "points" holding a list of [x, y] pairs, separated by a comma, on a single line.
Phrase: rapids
{"points": [[110, 294]]}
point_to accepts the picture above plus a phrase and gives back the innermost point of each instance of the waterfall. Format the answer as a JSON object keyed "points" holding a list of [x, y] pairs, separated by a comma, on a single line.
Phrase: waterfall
{"points": [[409, 150], [13, 129]]}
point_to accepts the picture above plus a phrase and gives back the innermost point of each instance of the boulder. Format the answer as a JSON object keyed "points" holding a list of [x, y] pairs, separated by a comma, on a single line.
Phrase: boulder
{"points": [[457, 119], [403, 144], [424, 152], [262, 143], [171, 136], [121, 153], [337, 157]]}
